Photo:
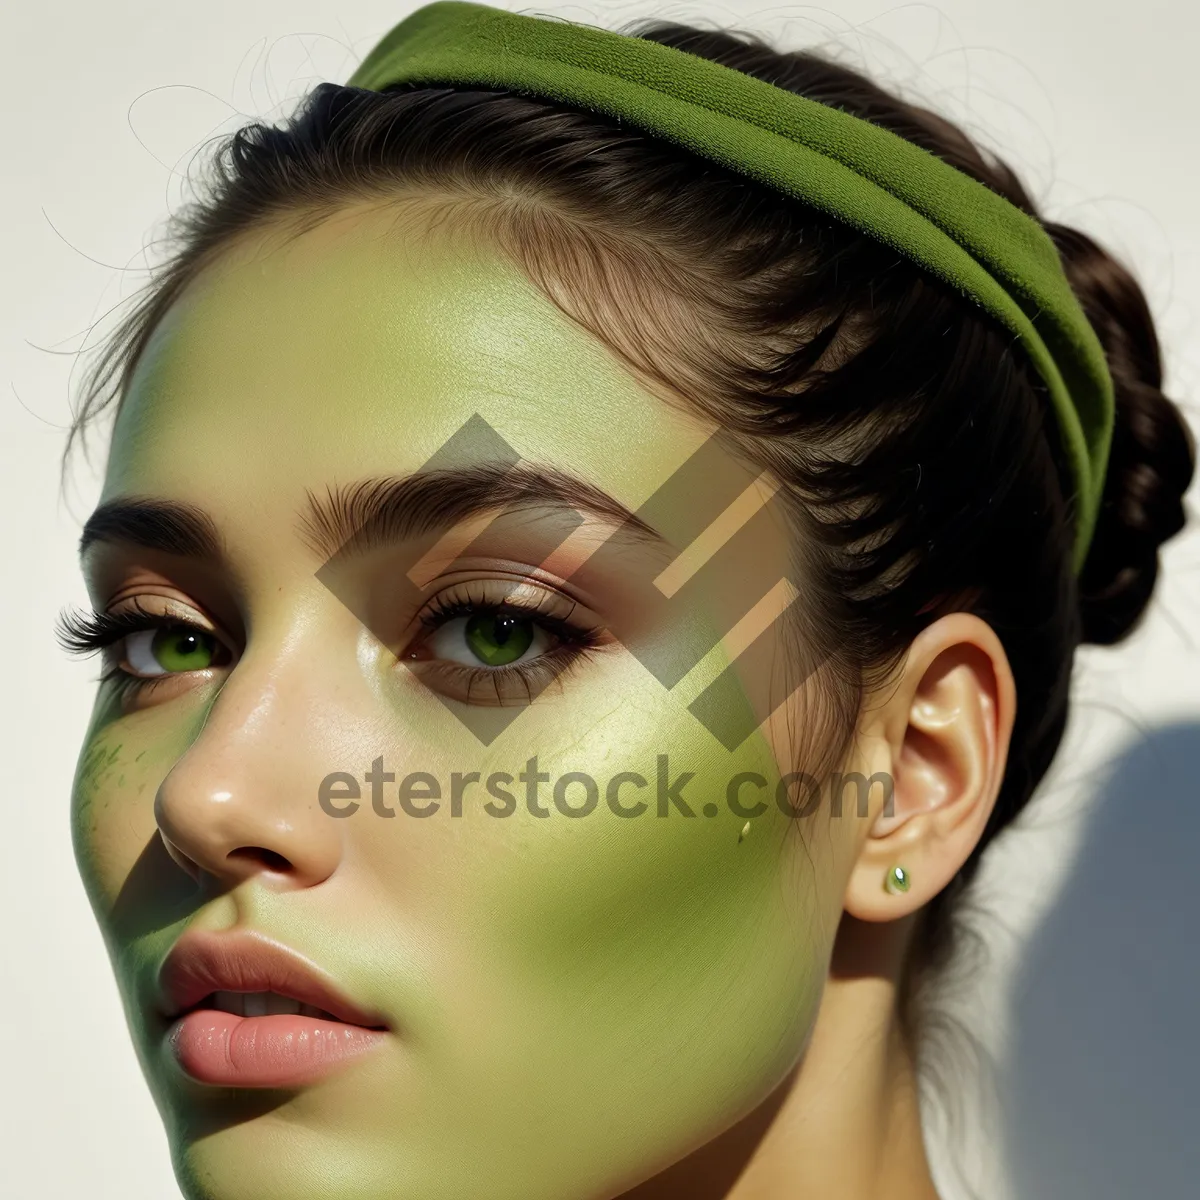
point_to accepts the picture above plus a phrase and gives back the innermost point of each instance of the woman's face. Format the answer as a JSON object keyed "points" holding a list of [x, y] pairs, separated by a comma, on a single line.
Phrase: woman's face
{"points": [[564, 1004]]}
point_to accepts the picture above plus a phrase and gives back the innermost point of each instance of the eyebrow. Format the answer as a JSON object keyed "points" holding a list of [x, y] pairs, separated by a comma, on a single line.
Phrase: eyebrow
{"points": [[165, 525], [374, 511], [352, 518]]}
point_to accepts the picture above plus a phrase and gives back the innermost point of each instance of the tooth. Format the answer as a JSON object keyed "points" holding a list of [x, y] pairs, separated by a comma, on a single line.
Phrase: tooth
{"points": [[281, 1005], [310, 1010], [230, 1002], [256, 1004]]}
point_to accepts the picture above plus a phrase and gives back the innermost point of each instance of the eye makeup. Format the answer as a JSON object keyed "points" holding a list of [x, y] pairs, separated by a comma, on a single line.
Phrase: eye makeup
{"points": [[482, 641], [512, 641], [142, 647]]}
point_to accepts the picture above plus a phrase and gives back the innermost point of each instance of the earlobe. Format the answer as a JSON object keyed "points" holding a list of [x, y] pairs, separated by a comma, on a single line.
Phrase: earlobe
{"points": [[945, 729]]}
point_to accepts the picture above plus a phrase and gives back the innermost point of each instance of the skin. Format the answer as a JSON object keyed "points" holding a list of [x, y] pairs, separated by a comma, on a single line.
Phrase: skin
{"points": [[581, 1008]]}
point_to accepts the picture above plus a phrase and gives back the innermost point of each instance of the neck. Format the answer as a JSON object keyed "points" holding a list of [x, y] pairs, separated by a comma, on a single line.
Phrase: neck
{"points": [[845, 1123]]}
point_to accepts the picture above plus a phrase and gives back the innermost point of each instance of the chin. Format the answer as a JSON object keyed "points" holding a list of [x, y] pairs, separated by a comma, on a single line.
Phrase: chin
{"points": [[270, 1157]]}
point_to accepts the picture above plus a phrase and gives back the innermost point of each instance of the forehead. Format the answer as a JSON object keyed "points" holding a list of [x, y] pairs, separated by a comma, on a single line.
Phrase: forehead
{"points": [[359, 348]]}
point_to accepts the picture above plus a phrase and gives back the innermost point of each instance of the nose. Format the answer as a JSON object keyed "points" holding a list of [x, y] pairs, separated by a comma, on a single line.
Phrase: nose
{"points": [[237, 803]]}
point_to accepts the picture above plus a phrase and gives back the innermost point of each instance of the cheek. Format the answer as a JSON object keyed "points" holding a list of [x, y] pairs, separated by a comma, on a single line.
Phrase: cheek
{"points": [[121, 765], [661, 969]]}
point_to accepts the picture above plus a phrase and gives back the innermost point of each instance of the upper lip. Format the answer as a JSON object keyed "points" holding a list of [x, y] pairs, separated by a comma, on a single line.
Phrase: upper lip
{"points": [[202, 962]]}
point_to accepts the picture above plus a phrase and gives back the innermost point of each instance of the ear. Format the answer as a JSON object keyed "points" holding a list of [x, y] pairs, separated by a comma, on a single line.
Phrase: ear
{"points": [[944, 730]]}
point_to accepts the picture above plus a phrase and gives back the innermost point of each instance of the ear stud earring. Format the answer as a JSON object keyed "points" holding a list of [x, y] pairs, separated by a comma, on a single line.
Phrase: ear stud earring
{"points": [[896, 881]]}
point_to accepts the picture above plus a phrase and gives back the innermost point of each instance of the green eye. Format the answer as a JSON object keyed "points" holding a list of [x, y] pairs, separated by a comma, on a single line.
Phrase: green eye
{"points": [[498, 638], [170, 650], [182, 649]]}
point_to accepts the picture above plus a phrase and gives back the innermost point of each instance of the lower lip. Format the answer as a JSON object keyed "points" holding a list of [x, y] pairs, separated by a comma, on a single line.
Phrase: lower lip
{"points": [[278, 1051]]}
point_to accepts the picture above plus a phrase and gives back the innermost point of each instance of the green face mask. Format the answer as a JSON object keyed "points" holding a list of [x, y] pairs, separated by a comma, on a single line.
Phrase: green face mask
{"points": [[570, 1002]]}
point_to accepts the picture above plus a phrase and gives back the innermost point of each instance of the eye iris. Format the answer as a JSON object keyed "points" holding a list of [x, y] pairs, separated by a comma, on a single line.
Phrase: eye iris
{"points": [[498, 638], [182, 650]]}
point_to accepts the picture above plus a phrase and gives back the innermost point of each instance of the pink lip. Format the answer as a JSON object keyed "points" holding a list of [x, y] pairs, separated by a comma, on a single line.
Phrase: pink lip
{"points": [[282, 1050]]}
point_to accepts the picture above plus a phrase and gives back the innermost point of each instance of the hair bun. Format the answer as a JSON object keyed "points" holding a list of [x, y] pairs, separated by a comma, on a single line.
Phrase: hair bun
{"points": [[1153, 450]]}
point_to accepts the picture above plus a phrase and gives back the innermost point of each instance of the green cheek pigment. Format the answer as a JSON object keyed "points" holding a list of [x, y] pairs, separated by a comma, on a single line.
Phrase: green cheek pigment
{"points": [[574, 1003], [123, 760], [138, 895]]}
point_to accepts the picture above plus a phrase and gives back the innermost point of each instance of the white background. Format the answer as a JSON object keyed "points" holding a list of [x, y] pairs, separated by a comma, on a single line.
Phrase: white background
{"points": [[1083, 1005]]}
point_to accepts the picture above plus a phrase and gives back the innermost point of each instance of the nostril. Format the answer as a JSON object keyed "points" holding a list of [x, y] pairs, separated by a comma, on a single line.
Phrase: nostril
{"points": [[268, 858]]}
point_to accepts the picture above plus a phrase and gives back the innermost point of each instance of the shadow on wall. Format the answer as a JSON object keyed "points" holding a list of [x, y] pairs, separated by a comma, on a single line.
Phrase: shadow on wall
{"points": [[1101, 1085]]}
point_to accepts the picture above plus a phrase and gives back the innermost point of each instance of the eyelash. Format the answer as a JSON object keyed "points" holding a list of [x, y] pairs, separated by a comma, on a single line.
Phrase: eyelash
{"points": [[83, 633], [575, 642]]}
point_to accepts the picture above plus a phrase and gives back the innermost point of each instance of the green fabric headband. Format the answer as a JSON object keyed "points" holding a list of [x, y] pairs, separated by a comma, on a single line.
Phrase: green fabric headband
{"points": [[858, 172]]}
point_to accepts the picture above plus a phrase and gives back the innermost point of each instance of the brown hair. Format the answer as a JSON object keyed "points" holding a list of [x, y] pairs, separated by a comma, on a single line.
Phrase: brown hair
{"points": [[909, 430]]}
